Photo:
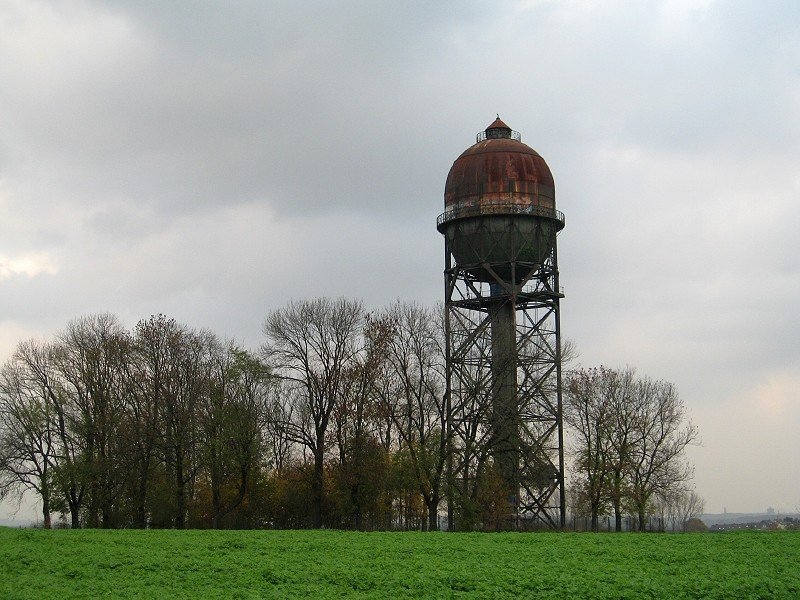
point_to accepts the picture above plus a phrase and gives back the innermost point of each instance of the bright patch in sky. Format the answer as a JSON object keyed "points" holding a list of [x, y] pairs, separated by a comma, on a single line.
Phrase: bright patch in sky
{"points": [[777, 396], [29, 265]]}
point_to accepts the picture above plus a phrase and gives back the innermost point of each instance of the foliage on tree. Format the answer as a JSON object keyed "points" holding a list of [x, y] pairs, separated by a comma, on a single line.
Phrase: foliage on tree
{"points": [[695, 525]]}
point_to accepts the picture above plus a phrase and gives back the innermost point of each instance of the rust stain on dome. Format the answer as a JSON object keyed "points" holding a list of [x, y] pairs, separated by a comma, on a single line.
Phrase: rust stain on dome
{"points": [[499, 170]]}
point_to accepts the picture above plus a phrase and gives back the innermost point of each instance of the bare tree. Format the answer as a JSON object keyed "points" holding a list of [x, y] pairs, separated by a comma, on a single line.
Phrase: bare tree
{"points": [[69, 473], [278, 428], [356, 419], [683, 505], [629, 437], [657, 462], [185, 384], [621, 390], [313, 343], [148, 374], [588, 409], [417, 405], [28, 440], [90, 357]]}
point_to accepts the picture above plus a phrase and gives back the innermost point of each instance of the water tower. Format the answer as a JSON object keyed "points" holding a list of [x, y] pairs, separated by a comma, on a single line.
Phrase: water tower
{"points": [[503, 335]]}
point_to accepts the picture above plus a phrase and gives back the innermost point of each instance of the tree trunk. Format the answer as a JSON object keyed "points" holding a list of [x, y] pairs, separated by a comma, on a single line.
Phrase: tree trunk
{"points": [[74, 509], [45, 493], [75, 515], [356, 500], [216, 495], [219, 508], [616, 499], [141, 501], [180, 491], [92, 511], [642, 517], [316, 486], [433, 513]]}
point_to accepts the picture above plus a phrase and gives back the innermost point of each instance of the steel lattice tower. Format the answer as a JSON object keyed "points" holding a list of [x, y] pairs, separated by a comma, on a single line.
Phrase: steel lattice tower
{"points": [[503, 341]]}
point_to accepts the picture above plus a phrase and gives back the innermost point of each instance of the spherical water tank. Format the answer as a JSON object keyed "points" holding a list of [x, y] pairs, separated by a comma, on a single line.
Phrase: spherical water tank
{"points": [[500, 216]]}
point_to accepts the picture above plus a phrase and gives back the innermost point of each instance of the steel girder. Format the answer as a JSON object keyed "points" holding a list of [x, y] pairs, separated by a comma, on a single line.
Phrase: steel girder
{"points": [[531, 422]]}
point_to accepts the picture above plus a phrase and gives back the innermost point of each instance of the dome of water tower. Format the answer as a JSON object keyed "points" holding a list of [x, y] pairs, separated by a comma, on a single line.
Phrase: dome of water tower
{"points": [[499, 171], [500, 218]]}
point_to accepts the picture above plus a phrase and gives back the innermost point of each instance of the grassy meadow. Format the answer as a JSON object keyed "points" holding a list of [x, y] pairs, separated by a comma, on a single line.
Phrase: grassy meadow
{"points": [[331, 564]]}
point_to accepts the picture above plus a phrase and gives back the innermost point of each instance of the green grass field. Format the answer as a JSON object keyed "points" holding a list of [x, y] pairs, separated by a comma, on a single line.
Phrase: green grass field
{"points": [[330, 564]]}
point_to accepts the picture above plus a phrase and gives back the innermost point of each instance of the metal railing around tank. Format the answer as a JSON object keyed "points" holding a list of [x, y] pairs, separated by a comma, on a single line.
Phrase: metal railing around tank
{"points": [[500, 209], [513, 135]]}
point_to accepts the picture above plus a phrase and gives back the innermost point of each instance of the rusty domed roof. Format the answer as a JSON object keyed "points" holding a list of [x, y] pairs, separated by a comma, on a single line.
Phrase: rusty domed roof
{"points": [[499, 168]]}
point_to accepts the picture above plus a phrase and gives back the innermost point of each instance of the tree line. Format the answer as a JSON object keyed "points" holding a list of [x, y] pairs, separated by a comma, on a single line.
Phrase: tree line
{"points": [[628, 440], [338, 420]]}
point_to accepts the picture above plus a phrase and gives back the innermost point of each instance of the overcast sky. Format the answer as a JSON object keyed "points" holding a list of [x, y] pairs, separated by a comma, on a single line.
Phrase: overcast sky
{"points": [[213, 160]]}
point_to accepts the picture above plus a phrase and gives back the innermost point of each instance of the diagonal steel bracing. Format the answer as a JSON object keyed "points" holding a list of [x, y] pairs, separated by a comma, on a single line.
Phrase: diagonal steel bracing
{"points": [[525, 434]]}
